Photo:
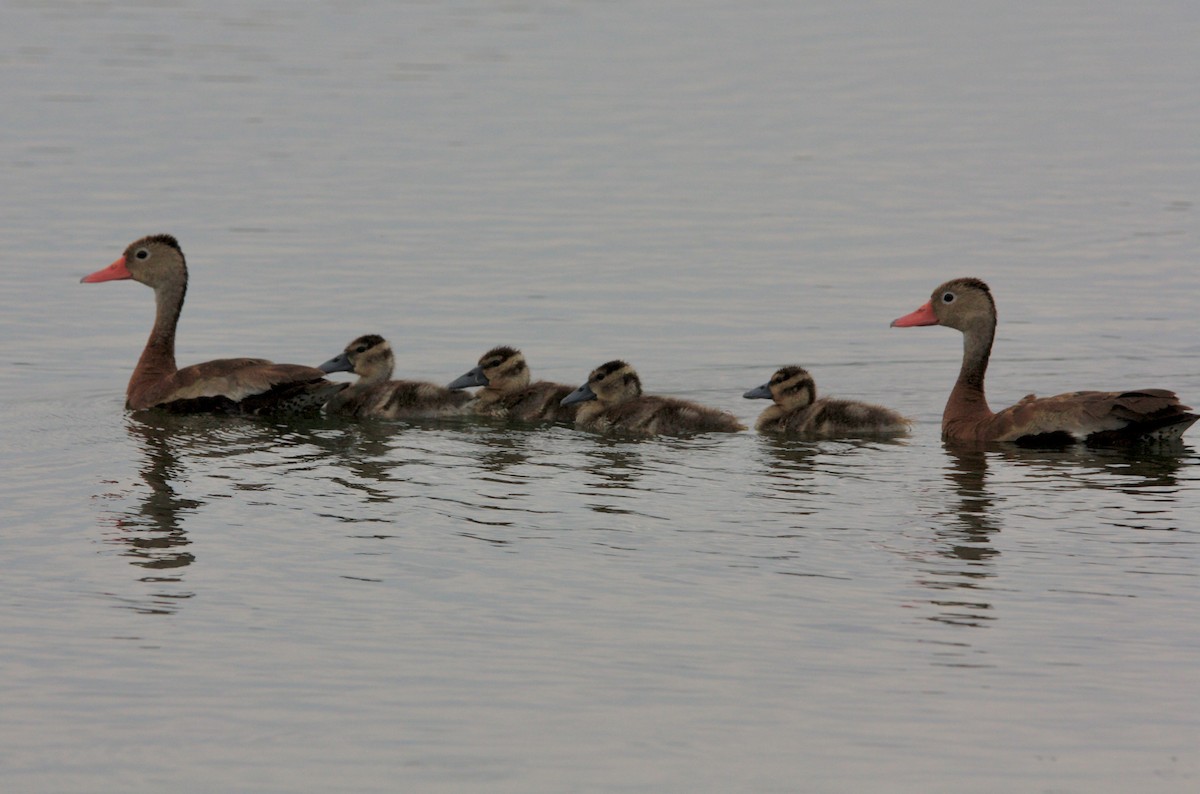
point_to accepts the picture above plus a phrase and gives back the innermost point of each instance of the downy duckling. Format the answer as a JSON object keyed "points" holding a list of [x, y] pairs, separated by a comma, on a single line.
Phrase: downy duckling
{"points": [[508, 393], [797, 411], [374, 395], [612, 401]]}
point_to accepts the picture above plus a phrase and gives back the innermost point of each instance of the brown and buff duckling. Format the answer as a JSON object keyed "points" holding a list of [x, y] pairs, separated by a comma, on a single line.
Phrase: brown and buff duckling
{"points": [[1104, 418], [612, 402], [508, 393], [375, 396], [226, 385], [797, 411]]}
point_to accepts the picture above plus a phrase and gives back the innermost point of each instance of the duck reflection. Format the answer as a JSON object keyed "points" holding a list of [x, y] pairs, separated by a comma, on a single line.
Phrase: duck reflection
{"points": [[973, 524], [1132, 470], [500, 448], [966, 542], [153, 531], [614, 468], [804, 471], [791, 473], [790, 455], [1141, 482], [1149, 474], [363, 450], [615, 464]]}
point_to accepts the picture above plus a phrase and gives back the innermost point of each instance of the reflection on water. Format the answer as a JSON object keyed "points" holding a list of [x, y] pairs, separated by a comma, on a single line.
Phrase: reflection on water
{"points": [[498, 450], [615, 465], [158, 540], [153, 530], [791, 462], [966, 543], [1131, 470], [176, 451], [995, 485]]}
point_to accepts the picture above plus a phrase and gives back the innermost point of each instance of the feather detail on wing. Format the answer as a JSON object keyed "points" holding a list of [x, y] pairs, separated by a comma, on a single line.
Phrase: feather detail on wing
{"points": [[232, 379], [1091, 414]]}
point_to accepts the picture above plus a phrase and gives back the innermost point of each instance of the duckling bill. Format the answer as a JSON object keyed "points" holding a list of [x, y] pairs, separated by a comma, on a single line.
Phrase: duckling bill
{"points": [[798, 411], [374, 395], [611, 401]]}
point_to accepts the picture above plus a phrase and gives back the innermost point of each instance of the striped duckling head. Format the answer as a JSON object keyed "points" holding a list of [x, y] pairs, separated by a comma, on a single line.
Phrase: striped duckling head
{"points": [[609, 384], [370, 357], [790, 387], [501, 369]]}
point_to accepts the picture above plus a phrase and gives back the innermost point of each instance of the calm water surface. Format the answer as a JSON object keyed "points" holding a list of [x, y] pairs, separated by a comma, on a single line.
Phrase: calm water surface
{"points": [[709, 190]]}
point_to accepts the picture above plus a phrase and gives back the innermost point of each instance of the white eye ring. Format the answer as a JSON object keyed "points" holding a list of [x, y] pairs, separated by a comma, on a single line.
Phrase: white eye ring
{"points": [[142, 253], [948, 297]]}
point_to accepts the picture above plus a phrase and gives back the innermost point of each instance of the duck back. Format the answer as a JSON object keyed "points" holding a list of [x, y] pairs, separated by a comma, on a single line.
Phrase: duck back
{"points": [[399, 399], [538, 402], [831, 418], [650, 415]]}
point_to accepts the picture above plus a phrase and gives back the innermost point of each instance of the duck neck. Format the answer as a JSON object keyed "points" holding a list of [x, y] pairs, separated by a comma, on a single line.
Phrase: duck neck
{"points": [[158, 357], [375, 377], [967, 400], [491, 394]]}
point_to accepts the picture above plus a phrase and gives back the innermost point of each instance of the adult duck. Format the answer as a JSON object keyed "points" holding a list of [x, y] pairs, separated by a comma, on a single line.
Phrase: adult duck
{"points": [[798, 411], [228, 385], [1095, 417], [375, 395], [508, 391], [612, 402]]}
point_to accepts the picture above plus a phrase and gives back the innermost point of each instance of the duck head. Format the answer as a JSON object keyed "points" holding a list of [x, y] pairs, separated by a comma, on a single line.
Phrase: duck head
{"points": [[370, 357], [153, 260], [501, 369], [789, 387], [610, 383]]}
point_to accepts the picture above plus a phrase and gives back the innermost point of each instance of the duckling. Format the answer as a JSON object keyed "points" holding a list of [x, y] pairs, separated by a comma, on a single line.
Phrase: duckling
{"points": [[508, 393], [797, 411], [374, 395], [612, 401]]}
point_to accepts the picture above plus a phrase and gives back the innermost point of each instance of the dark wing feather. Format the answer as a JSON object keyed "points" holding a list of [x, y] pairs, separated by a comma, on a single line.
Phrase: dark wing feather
{"points": [[230, 382], [1094, 416]]}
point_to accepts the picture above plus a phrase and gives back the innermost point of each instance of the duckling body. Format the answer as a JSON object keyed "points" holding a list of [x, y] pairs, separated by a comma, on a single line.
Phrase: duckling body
{"points": [[375, 395], [228, 385], [508, 393], [1104, 418], [797, 411], [612, 402]]}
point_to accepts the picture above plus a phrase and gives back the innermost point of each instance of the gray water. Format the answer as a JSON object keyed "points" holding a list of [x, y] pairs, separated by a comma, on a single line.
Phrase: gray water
{"points": [[707, 189]]}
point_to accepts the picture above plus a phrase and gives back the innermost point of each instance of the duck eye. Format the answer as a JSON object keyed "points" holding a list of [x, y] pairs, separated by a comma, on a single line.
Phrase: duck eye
{"points": [[599, 377], [948, 297], [360, 349], [142, 253]]}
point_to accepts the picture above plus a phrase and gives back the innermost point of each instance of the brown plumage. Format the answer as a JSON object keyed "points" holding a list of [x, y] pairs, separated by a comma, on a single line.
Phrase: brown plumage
{"points": [[612, 402], [1095, 417], [374, 395], [231, 385], [508, 393], [797, 411]]}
